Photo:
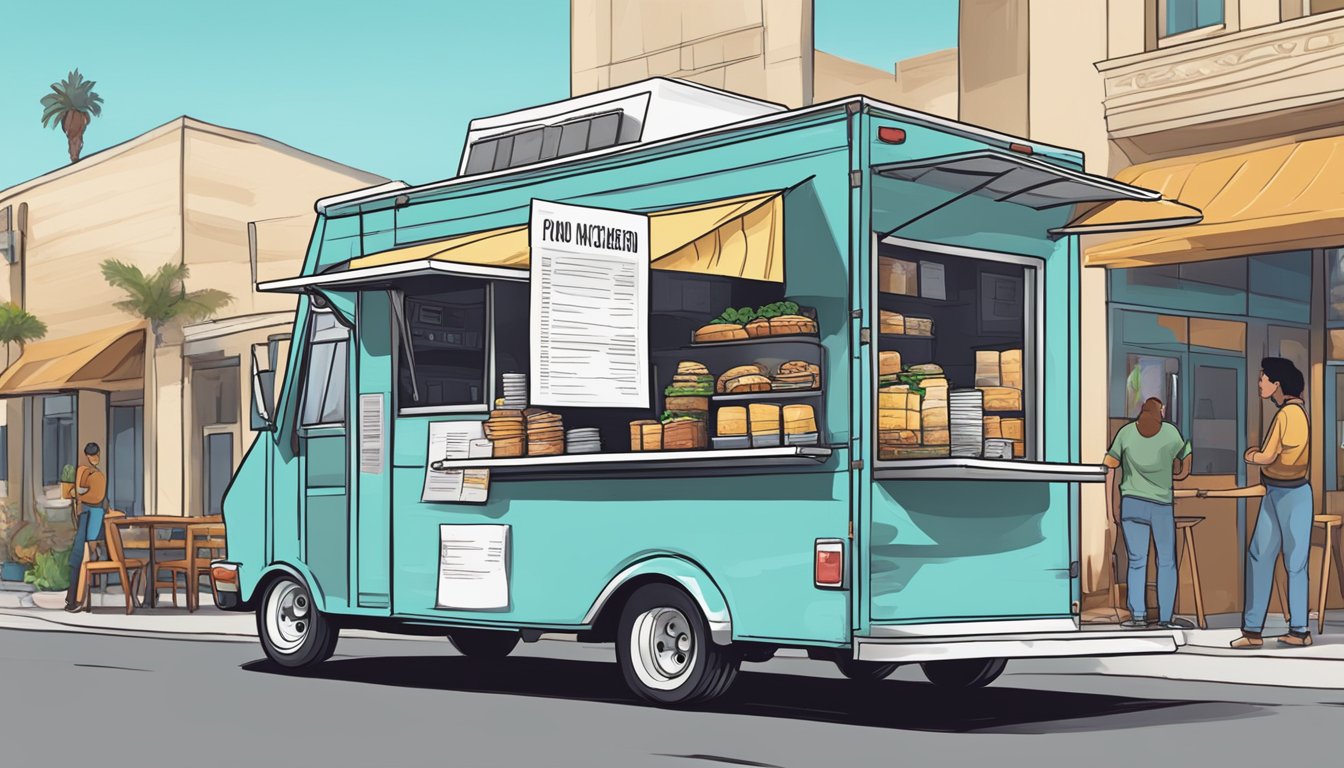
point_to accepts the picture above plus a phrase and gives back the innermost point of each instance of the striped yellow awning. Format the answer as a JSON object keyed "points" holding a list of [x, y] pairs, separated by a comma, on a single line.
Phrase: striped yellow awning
{"points": [[734, 237], [107, 360], [1264, 200]]}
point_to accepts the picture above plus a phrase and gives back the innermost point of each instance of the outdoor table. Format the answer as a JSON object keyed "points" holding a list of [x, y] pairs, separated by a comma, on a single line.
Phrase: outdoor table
{"points": [[155, 523]]}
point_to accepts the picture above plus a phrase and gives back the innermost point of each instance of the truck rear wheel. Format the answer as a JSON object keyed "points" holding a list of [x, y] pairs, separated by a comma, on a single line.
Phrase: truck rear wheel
{"points": [[963, 673], [484, 644], [865, 671], [294, 634], [665, 651]]}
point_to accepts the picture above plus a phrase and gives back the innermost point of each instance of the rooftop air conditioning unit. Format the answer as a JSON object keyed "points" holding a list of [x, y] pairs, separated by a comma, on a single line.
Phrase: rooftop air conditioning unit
{"points": [[643, 112]]}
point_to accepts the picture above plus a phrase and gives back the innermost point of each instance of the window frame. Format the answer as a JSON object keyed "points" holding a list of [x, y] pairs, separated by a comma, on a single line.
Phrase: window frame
{"points": [[306, 370], [488, 390], [1033, 364], [1165, 39]]}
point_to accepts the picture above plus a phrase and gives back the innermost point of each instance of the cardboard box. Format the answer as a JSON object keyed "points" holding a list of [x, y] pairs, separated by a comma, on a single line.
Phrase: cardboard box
{"points": [[993, 427], [897, 276], [987, 368], [1014, 429], [1002, 398], [1010, 369], [1019, 449], [937, 437], [891, 323], [888, 363]]}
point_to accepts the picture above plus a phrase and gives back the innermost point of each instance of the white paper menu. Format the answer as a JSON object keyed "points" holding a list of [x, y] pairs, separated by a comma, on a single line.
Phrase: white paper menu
{"points": [[590, 307], [473, 567], [450, 440]]}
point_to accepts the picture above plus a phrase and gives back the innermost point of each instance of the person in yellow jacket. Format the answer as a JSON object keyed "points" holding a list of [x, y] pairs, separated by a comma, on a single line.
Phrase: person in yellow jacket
{"points": [[91, 490]]}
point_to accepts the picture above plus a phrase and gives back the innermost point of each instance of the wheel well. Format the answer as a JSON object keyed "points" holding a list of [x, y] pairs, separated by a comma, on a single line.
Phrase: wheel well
{"points": [[609, 617], [265, 582]]}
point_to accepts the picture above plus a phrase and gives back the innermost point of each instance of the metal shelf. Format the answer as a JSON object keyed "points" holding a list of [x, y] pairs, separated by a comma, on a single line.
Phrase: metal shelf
{"points": [[788, 394], [989, 469], [725, 460]]}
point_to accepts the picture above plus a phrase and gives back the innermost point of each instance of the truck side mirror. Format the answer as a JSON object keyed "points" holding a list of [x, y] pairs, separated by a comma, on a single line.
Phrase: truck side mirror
{"points": [[263, 395]]}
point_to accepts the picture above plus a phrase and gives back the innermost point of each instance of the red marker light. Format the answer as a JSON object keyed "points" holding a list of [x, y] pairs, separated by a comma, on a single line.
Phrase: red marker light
{"points": [[829, 568], [1023, 148], [891, 135]]}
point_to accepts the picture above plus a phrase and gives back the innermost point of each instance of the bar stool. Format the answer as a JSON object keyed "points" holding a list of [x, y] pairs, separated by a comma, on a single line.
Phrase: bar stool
{"points": [[1328, 523], [1185, 550]]}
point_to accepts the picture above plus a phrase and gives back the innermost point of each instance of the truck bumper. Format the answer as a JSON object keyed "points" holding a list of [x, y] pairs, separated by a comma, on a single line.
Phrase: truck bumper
{"points": [[1017, 646]]}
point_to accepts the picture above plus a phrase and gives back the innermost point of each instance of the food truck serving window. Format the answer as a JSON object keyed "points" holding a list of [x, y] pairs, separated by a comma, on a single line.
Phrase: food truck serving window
{"points": [[955, 355]]}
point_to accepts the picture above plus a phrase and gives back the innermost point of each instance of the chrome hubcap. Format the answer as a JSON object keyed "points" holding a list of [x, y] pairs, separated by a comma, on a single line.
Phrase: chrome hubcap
{"points": [[288, 617], [663, 643]]}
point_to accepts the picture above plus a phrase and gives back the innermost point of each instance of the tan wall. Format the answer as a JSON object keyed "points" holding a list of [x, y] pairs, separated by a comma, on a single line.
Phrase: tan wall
{"points": [[927, 83], [125, 207], [760, 48], [993, 52]]}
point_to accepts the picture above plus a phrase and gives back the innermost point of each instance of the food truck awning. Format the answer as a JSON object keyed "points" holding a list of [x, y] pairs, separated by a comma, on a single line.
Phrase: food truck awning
{"points": [[108, 360], [732, 237], [1254, 201], [1104, 205]]}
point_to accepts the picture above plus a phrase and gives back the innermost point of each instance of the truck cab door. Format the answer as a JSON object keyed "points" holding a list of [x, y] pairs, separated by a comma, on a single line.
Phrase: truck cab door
{"points": [[323, 450]]}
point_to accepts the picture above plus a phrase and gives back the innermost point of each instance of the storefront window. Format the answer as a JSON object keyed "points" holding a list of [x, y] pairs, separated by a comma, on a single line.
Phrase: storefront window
{"points": [[58, 436], [447, 327], [954, 356], [325, 385]]}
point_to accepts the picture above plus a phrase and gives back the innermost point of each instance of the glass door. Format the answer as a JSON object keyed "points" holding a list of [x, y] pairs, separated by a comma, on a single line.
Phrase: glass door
{"points": [[1217, 421], [126, 458]]}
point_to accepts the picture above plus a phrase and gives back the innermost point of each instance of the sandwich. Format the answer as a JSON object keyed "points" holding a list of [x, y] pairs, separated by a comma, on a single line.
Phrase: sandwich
{"points": [[739, 371]]}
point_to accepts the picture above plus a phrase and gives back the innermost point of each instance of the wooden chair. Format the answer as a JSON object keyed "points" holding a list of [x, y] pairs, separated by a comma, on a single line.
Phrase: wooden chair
{"points": [[207, 538], [116, 562]]}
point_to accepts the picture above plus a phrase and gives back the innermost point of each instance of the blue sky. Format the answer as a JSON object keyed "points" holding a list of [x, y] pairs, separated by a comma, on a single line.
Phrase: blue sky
{"points": [[387, 87]]}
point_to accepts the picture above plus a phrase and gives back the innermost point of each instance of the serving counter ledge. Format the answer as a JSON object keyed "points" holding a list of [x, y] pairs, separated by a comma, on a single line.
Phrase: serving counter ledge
{"points": [[989, 469]]}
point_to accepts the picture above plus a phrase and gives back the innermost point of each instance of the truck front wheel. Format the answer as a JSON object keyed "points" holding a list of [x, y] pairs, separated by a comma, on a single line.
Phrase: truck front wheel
{"points": [[665, 651], [293, 632], [963, 673]]}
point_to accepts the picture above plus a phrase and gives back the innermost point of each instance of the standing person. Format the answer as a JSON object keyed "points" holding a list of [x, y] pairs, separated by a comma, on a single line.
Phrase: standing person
{"points": [[1285, 518], [91, 489], [1145, 459]]}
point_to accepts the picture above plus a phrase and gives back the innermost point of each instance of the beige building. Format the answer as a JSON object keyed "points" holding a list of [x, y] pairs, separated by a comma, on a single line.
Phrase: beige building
{"points": [[762, 48], [169, 411], [1231, 106]]}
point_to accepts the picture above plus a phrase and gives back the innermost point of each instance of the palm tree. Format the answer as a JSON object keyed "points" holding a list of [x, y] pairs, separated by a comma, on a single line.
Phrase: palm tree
{"points": [[18, 326], [162, 296], [71, 105]]}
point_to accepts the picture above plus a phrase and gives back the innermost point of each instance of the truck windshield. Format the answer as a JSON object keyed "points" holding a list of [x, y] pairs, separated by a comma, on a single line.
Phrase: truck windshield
{"points": [[324, 388]]}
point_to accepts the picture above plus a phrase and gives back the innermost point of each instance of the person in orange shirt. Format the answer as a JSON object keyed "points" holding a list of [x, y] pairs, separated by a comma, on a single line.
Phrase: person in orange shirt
{"points": [[91, 485]]}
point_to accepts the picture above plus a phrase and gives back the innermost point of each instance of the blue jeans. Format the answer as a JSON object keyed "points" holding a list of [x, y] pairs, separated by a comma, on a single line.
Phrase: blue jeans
{"points": [[1283, 525], [1138, 519], [88, 528]]}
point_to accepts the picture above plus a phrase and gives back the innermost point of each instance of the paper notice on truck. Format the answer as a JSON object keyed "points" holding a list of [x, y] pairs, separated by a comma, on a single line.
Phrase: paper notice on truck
{"points": [[450, 440], [590, 307], [473, 567]]}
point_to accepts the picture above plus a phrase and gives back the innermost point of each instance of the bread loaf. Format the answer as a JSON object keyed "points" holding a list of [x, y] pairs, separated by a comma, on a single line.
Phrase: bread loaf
{"points": [[937, 437], [891, 323], [792, 325], [764, 418], [733, 373], [751, 382], [986, 368], [1010, 366], [1014, 429], [993, 427], [646, 435], [758, 327], [888, 363], [918, 326], [933, 417], [720, 332], [732, 421], [799, 419], [1002, 399]]}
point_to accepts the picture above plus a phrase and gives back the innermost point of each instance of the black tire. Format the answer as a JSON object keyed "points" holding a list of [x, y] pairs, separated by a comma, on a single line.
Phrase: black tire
{"points": [[865, 671], [483, 644], [665, 650], [293, 633], [963, 673]]}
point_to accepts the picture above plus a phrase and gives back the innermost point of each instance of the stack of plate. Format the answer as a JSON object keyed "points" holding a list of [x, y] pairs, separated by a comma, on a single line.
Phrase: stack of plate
{"points": [[515, 391], [966, 418], [583, 440]]}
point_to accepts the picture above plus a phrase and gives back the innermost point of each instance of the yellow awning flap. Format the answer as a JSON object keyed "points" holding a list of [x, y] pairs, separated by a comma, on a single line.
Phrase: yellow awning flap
{"points": [[734, 237], [108, 360], [1253, 201]]}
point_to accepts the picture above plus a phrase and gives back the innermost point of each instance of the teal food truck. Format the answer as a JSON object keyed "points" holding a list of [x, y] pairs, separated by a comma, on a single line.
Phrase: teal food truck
{"points": [[695, 375]]}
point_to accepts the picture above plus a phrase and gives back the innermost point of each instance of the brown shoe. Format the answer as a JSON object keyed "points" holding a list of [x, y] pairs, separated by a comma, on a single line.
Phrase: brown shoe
{"points": [[1295, 640], [1245, 641]]}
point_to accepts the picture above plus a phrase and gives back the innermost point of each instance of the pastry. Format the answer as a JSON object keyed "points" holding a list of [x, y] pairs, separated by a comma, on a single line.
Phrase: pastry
{"points": [[758, 327], [792, 325]]}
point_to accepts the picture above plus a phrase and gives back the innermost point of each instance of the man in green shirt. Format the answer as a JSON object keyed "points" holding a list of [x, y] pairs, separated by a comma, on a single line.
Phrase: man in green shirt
{"points": [[1145, 458]]}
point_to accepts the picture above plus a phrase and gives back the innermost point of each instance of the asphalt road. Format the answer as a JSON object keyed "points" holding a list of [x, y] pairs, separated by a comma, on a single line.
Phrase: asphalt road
{"points": [[76, 699]]}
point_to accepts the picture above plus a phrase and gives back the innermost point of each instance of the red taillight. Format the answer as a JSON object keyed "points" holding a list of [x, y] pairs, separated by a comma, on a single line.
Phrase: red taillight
{"points": [[1023, 148], [829, 565], [224, 577], [891, 135]]}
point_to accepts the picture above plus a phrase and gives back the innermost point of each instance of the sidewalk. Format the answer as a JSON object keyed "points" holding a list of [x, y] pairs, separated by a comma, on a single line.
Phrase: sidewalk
{"points": [[1205, 657]]}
